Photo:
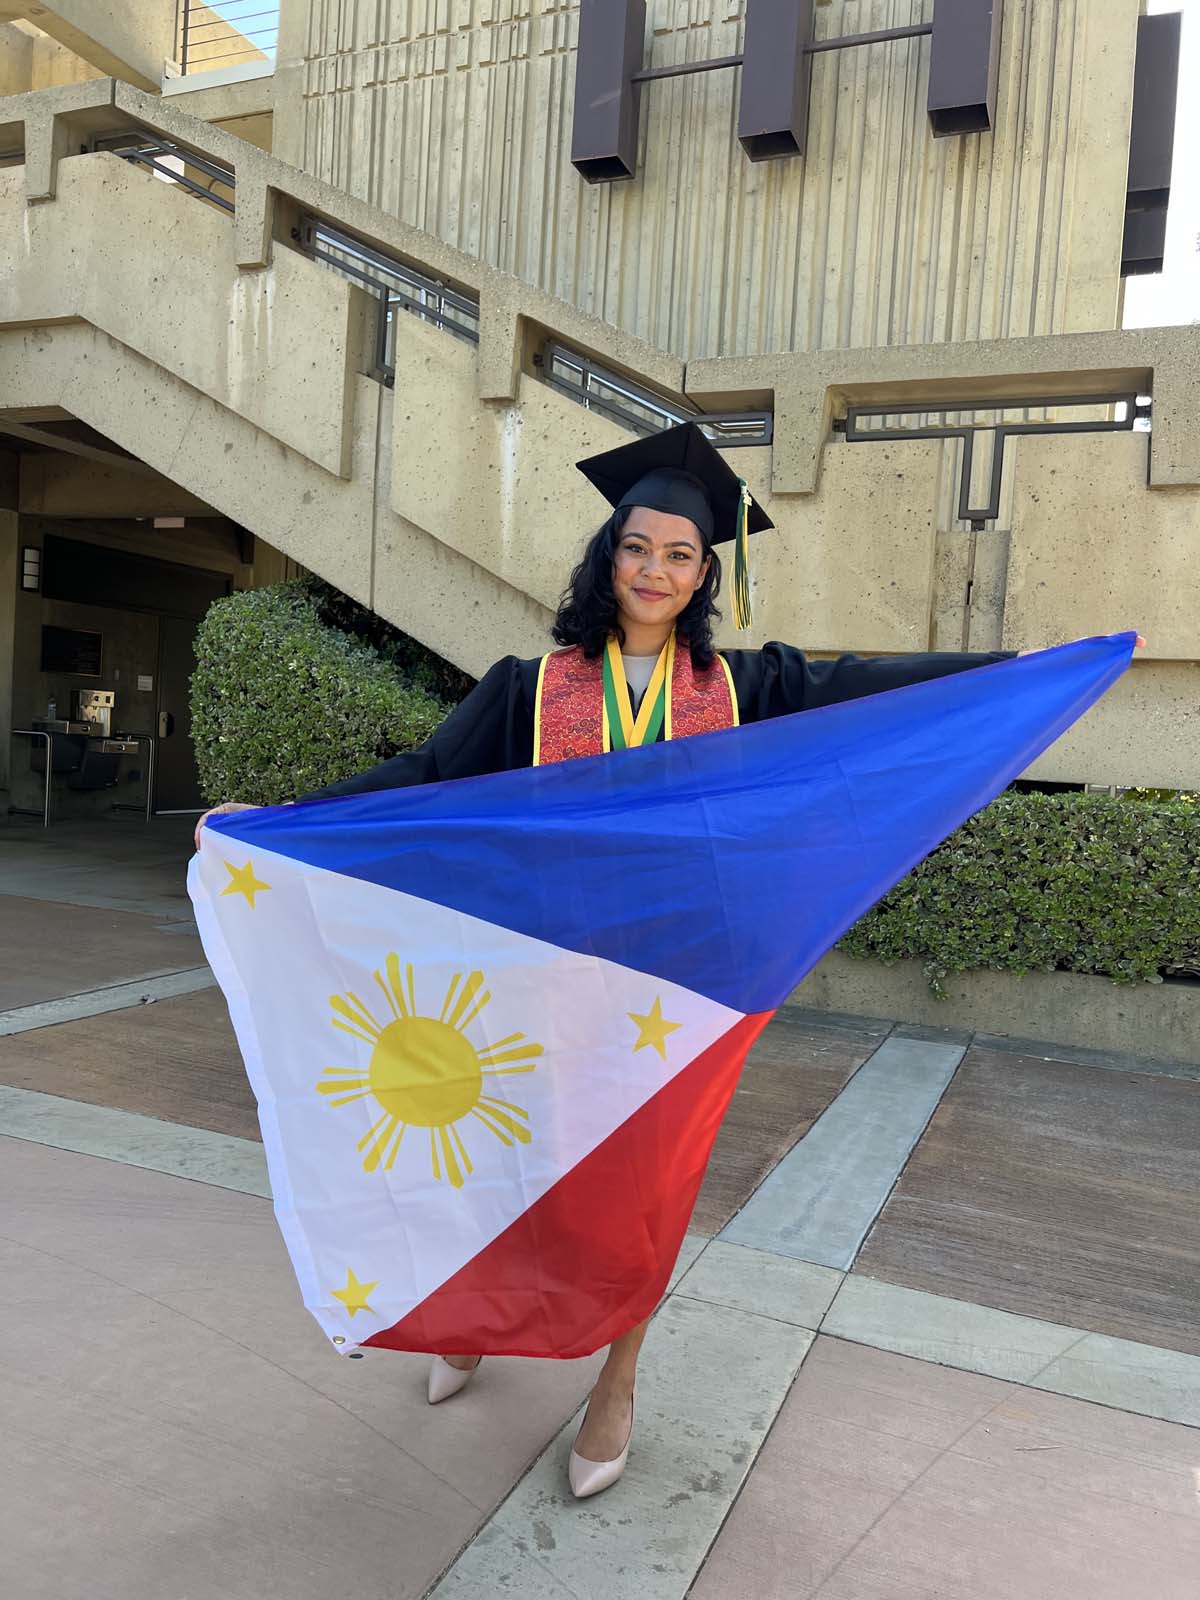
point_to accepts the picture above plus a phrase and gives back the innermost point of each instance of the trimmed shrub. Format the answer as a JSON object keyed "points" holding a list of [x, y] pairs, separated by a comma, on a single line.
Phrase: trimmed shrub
{"points": [[1046, 883], [282, 703], [412, 661]]}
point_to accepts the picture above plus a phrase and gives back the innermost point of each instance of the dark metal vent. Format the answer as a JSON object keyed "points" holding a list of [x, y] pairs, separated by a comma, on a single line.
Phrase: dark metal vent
{"points": [[776, 64], [1151, 144]]}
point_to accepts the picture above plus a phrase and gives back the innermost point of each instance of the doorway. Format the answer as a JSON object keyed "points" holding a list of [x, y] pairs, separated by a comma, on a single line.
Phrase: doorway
{"points": [[152, 696], [177, 783]]}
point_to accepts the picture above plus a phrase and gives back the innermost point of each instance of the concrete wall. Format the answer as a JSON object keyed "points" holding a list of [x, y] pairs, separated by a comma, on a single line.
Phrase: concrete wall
{"points": [[30, 59], [10, 555], [229, 334], [128, 39], [1142, 1019], [456, 117]]}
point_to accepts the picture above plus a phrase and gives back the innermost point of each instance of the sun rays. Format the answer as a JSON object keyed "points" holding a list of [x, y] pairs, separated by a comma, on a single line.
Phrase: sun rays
{"points": [[425, 1073]]}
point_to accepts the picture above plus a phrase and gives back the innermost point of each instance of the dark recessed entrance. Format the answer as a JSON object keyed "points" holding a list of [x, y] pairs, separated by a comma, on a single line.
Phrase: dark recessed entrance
{"points": [[140, 614]]}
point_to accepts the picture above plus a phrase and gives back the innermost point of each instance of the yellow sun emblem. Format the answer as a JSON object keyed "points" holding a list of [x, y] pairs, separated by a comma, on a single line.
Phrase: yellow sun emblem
{"points": [[425, 1073]]}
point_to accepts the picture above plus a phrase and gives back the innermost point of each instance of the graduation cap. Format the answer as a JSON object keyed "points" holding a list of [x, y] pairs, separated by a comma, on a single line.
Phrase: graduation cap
{"points": [[680, 472]]}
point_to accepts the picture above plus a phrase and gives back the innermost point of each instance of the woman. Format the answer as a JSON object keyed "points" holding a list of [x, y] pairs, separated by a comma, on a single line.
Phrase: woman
{"points": [[637, 665]]}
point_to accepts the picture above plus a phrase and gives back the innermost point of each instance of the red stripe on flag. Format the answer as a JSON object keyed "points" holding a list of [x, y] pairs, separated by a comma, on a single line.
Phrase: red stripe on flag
{"points": [[592, 1257]]}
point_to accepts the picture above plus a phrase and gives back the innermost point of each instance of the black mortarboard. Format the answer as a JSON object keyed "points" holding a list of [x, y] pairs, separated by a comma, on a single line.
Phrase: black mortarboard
{"points": [[680, 472]]}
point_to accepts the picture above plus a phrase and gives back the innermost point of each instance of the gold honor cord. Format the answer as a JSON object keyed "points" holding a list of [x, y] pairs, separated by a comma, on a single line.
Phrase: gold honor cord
{"points": [[623, 731], [741, 562]]}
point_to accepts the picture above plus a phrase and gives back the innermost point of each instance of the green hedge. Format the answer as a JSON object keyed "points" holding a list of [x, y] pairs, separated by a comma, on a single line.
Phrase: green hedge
{"points": [[283, 703], [418, 666], [1044, 883]]}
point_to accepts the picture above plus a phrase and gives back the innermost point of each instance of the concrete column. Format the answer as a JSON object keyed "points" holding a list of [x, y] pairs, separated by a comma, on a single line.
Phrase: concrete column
{"points": [[291, 67]]}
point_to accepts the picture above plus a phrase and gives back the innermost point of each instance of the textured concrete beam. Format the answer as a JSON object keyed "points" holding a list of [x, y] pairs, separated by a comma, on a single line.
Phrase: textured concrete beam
{"points": [[223, 102], [811, 389], [72, 447], [511, 309], [127, 39], [45, 122]]}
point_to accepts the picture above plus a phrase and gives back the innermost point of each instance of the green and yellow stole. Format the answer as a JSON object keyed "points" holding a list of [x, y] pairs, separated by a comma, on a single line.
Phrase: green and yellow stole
{"points": [[584, 706]]}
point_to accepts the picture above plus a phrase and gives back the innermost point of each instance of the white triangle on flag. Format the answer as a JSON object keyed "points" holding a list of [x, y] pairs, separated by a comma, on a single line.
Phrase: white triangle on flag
{"points": [[296, 948]]}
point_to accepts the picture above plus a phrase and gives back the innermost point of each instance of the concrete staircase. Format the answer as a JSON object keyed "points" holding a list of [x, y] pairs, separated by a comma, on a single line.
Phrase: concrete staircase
{"points": [[128, 303], [210, 344]]}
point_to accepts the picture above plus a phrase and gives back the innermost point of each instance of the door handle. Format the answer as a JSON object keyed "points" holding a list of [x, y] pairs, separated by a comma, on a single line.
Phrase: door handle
{"points": [[166, 724]]}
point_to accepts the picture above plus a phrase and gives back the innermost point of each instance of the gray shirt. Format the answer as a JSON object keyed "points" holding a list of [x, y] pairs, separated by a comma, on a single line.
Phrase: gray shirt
{"points": [[638, 672]]}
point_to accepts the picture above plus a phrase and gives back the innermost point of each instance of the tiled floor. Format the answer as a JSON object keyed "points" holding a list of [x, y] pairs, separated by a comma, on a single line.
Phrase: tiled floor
{"points": [[886, 1478], [1059, 1191], [823, 1197], [176, 1059], [800, 1063], [175, 1424], [48, 950], [117, 863]]}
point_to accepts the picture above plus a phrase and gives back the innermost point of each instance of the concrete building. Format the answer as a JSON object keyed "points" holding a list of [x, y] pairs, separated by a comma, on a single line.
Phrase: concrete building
{"points": [[352, 295]]}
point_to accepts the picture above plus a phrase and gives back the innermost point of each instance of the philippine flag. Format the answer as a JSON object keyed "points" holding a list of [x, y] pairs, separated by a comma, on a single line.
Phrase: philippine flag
{"points": [[493, 1025]]}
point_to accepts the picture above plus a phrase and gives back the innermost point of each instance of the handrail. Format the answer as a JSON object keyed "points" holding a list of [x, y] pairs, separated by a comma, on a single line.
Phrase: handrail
{"points": [[154, 153], [629, 403], [395, 285], [198, 19], [398, 286], [1131, 412]]}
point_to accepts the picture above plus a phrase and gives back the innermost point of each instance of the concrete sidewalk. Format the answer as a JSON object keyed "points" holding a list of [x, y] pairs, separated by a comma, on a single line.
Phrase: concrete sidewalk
{"points": [[936, 1330]]}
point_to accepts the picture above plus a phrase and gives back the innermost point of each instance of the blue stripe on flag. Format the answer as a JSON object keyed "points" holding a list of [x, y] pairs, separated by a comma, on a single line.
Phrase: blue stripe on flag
{"points": [[729, 862]]}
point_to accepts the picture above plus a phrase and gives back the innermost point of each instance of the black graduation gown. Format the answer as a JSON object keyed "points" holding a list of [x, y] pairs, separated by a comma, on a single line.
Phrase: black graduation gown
{"points": [[492, 730]]}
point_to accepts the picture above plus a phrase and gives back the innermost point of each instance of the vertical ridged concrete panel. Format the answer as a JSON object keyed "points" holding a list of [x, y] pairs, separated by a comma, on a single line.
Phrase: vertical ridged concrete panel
{"points": [[455, 115]]}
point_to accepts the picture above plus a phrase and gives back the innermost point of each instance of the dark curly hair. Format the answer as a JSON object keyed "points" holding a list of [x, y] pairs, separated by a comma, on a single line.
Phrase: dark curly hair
{"points": [[587, 612]]}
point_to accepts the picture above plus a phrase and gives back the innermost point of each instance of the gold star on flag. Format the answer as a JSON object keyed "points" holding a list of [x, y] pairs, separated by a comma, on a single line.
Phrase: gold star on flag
{"points": [[243, 881], [354, 1295], [653, 1028]]}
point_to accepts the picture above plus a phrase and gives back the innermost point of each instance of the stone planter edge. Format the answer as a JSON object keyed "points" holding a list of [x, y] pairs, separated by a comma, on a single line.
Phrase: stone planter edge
{"points": [[1151, 1019]]}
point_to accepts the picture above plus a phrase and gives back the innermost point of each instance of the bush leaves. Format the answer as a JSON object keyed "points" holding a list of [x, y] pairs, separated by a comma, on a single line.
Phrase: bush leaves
{"points": [[282, 703], [1051, 883]]}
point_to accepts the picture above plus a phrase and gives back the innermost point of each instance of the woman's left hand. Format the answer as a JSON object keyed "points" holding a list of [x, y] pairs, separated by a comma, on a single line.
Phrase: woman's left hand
{"points": [[1140, 644]]}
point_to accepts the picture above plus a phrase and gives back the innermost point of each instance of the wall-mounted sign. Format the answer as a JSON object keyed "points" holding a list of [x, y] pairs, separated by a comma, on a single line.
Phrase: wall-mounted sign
{"points": [[776, 64]]}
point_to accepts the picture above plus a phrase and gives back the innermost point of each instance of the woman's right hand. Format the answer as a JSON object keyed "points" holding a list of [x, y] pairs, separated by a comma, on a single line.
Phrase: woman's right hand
{"points": [[216, 811]]}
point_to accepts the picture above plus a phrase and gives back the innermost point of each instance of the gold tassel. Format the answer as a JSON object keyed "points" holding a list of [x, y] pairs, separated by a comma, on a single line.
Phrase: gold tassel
{"points": [[741, 563]]}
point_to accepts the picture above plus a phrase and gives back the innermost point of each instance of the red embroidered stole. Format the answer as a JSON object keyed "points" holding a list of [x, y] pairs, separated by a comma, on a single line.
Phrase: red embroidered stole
{"points": [[569, 716]]}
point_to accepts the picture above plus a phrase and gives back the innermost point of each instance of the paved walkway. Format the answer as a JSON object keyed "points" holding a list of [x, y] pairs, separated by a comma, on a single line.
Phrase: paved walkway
{"points": [[935, 1332]]}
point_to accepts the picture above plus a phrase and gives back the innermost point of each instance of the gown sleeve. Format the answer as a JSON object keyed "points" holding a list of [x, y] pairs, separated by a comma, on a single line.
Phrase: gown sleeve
{"points": [[779, 679], [491, 731]]}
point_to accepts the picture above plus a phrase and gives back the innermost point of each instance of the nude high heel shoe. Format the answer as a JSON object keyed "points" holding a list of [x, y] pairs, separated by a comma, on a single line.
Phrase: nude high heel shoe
{"points": [[445, 1380], [589, 1477]]}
